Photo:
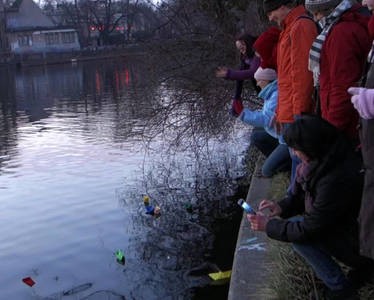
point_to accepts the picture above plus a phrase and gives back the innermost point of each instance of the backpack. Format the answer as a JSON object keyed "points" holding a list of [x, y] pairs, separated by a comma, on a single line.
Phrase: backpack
{"points": [[307, 16]]}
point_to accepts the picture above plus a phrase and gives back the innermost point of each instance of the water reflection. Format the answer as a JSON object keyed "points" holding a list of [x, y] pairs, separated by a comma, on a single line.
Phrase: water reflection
{"points": [[79, 146]]}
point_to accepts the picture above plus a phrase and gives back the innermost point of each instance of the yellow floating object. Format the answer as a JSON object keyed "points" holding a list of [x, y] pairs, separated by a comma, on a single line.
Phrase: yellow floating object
{"points": [[146, 200], [220, 275]]}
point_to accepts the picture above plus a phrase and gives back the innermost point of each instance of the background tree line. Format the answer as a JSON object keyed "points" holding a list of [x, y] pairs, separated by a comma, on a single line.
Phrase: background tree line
{"points": [[142, 20]]}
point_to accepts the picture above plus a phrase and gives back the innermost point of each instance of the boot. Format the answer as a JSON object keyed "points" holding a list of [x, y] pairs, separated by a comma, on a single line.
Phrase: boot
{"points": [[346, 293], [358, 277]]}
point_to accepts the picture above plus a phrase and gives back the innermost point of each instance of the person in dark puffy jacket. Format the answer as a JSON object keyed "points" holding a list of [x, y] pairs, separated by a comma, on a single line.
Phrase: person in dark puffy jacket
{"points": [[319, 215]]}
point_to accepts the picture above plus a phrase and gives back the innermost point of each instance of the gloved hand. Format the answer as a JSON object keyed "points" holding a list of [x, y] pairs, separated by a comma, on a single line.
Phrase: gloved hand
{"points": [[363, 101], [236, 107]]}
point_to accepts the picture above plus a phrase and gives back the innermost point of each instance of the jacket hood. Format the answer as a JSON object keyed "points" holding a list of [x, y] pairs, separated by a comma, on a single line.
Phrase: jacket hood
{"points": [[357, 13]]}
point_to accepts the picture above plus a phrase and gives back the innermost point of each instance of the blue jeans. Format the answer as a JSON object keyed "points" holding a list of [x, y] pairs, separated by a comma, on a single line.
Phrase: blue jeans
{"points": [[277, 156], [278, 160], [295, 160], [319, 255], [323, 264], [263, 141]]}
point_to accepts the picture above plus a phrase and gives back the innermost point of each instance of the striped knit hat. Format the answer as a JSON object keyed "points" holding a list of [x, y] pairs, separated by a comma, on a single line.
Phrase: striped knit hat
{"points": [[321, 5]]}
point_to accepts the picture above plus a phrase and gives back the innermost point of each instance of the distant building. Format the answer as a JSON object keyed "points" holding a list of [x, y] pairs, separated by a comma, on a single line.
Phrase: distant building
{"points": [[28, 30]]}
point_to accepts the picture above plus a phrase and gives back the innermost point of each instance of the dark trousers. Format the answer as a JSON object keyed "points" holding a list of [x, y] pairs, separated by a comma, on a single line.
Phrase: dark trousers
{"points": [[277, 155]]}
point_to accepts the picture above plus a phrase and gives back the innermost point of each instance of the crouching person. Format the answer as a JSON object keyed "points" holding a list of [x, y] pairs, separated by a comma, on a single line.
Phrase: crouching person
{"points": [[264, 136], [319, 216]]}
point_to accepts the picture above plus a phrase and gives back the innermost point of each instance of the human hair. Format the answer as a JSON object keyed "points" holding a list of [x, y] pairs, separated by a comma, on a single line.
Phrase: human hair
{"points": [[327, 12], [311, 135], [249, 40], [292, 4]]}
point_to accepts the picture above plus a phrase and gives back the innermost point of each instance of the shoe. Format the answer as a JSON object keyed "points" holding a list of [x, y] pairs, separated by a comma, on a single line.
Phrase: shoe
{"points": [[347, 293], [360, 276], [313, 296]]}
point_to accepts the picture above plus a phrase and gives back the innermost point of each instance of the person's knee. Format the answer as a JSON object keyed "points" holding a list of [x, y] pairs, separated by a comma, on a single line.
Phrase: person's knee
{"points": [[299, 248], [296, 246], [266, 171]]}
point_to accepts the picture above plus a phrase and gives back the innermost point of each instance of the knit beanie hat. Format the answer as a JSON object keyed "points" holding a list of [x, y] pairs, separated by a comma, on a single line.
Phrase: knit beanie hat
{"points": [[265, 74], [266, 47], [270, 5], [321, 5]]}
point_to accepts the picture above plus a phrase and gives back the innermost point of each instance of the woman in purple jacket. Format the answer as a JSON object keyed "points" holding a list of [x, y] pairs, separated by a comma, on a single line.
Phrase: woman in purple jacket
{"points": [[249, 63]]}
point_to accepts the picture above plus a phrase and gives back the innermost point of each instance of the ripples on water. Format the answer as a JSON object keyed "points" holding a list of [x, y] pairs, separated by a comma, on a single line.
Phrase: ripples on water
{"points": [[80, 146]]}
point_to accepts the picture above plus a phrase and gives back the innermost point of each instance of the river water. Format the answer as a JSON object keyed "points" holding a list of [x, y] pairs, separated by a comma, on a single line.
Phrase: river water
{"points": [[80, 145]]}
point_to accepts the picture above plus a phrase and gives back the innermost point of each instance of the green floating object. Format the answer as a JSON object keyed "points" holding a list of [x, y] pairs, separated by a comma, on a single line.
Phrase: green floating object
{"points": [[120, 257]]}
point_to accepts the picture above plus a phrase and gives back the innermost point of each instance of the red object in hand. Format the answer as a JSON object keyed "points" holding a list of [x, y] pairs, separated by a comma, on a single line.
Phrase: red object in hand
{"points": [[28, 281], [236, 107]]}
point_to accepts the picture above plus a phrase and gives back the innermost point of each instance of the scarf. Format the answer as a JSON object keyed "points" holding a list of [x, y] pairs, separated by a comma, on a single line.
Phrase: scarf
{"points": [[302, 175], [326, 23]]}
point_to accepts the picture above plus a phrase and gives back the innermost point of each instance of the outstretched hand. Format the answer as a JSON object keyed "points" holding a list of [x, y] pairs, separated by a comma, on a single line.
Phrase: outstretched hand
{"points": [[221, 72], [258, 221], [273, 207]]}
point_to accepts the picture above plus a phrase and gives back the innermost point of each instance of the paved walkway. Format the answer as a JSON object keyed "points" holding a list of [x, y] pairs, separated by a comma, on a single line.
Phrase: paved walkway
{"points": [[249, 269]]}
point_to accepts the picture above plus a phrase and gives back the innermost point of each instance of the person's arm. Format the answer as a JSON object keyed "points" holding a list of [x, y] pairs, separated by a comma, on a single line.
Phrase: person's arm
{"points": [[291, 205], [244, 74], [302, 36], [262, 118], [260, 220], [334, 200], [253, 117], [347, 49]]}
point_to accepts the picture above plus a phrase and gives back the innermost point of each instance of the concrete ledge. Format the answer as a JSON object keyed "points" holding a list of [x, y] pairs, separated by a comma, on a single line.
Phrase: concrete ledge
{"points": [[249, 270]]}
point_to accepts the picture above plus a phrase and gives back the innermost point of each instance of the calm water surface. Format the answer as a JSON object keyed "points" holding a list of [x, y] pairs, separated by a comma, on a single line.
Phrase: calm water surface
{"points": [[79, 147]]}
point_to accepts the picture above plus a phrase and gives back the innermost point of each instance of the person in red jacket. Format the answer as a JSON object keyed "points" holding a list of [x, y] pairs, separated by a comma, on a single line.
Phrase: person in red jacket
{"points": [[337, 59]]}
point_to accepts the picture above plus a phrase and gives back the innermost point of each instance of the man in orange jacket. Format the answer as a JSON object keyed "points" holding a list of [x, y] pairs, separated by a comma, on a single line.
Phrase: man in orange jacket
{"points": [[295, 81]]}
